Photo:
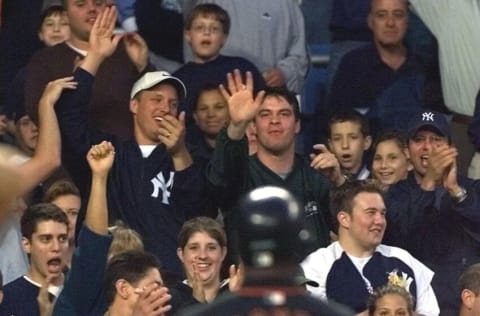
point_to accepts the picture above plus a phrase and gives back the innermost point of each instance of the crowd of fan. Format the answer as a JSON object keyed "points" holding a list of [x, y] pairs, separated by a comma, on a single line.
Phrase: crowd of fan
{"points": [[139, 126]]}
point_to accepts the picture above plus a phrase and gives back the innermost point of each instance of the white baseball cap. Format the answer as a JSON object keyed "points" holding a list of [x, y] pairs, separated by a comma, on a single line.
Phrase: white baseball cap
{"points": [[151, 79]]}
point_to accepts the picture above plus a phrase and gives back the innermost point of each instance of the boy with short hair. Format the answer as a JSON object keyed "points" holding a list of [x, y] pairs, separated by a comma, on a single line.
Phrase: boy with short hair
{"points": [[206, 31], [349, 138], [45, 240]]}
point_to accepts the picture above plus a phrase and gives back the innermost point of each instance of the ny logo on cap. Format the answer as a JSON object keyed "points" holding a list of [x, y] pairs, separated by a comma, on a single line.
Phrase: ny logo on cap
{"points": [[427, 116]]}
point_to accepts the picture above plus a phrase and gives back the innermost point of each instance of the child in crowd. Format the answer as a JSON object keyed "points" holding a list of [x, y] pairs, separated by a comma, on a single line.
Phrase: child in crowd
{"points": [[391, 160], [206, 31], [390, 300], [349, 139], [54, 29]]}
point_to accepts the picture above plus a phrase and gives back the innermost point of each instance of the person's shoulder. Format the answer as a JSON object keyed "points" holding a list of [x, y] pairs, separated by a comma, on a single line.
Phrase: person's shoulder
{"points": [[360, 56], [49, 52], [396, 252], [19, 286], [325, 254]]}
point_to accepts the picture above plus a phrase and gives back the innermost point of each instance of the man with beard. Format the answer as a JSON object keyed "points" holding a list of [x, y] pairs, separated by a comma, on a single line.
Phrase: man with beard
{"points": [[45, 240]]}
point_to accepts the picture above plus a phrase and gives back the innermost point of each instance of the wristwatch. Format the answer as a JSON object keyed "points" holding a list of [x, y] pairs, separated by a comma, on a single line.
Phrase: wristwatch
{"points": [[460, 196]]}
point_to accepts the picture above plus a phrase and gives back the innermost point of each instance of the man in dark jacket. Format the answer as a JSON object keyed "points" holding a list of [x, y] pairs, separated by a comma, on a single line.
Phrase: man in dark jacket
{"points": [[154, 185], [434, 213]]}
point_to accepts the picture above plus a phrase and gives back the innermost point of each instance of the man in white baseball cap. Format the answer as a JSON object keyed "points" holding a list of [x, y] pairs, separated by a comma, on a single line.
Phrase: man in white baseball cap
{"points": [[154, 184]]}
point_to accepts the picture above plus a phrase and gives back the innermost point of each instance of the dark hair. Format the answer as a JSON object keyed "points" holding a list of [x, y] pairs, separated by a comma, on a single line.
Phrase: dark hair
{"points": [[389, 289], [41, 212], [349, 115], [132, 266], [470, 279], [1, 281], [51, 10], [341, 198], [210, 10], [289, 96], [202, 224], [205, 88], [397, 136], [60, 187]]}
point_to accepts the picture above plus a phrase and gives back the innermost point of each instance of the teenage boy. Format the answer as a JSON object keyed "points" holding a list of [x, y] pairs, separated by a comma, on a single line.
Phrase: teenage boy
{"points": [[45, 240], [349, 139], [206, 31]]}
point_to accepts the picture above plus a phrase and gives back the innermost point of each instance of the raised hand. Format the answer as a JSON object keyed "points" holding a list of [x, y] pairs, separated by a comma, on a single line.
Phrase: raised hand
{"points": [[236, 276], [137, 50], [241, 104], [101, 40], [54, 89], [102, 43], [100, 158], [327, 164], [152, 301], [440, 161]]}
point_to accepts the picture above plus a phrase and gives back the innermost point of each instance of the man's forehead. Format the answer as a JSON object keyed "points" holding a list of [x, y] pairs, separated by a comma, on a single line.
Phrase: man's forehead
{"points": [[275, 102], [163, 87], [49, 227], [427, 131], [378, 5]]}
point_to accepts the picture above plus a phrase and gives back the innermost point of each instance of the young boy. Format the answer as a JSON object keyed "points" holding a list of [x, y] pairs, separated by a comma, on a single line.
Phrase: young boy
{"points": [[54, 29], [349, 138], [45, 240], [206, 31]]}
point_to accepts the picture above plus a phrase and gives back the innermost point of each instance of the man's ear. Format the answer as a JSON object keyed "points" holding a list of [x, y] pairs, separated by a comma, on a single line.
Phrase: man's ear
{"points": [[26, 245], [343, 219], [134, 105], [122, 288], [367, 142], [370, 21], [468, 298]]}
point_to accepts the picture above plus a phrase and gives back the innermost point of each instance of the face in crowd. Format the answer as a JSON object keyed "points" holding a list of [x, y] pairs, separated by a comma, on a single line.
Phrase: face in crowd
{"points": [[82, 15], [388, 20], [421, 146], [149, 107], [348, 144], [206, 36], [203, 256], [211, 113], [55, 29], [390, 162], [47, 247], [276, 125], [365, 225]]}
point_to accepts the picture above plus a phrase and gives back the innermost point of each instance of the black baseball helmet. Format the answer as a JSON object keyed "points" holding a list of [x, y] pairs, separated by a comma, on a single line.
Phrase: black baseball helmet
{"points": [[269, 223]]}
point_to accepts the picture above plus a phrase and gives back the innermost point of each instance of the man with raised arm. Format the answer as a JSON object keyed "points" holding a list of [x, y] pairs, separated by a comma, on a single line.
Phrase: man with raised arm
{"points": [[276, 119], [154, 185]]}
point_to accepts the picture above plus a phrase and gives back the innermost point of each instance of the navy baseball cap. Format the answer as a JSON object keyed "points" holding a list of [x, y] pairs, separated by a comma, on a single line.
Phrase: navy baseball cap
{"points": [[429, 120]]}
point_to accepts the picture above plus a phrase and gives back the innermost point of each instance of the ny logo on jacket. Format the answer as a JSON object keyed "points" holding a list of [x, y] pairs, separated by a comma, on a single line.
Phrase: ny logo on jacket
{"points": [[165, 185]]}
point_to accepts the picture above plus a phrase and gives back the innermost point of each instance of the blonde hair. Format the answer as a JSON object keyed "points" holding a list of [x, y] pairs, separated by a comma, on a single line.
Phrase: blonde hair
{"points": [[124, 238]]}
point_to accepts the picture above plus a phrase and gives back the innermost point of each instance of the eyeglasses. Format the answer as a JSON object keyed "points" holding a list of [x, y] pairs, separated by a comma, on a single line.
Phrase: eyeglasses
{"points": [[202, 28]]}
